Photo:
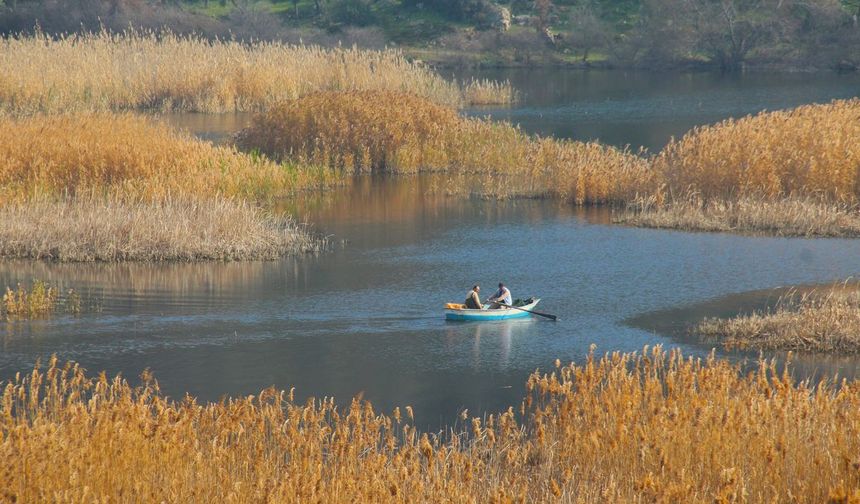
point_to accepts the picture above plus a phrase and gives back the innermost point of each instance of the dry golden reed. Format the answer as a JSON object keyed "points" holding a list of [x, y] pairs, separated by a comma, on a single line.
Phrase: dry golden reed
{"points": [[815, 321], [795, 216], [39, 300], [650, 427], [88, 229], [162, 71], [22, 302], [479, 92], [135, 157], [809, 151], [392, 132]]}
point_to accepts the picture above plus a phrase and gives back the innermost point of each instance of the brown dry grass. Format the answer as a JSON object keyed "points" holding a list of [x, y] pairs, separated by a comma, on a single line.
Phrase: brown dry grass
{"points": [[623, 428], [816, 321], [479, 92], [808, 151], [100, 229], [804, 217], [146, 71], [371, 131], [136, 157], [791, 173]]}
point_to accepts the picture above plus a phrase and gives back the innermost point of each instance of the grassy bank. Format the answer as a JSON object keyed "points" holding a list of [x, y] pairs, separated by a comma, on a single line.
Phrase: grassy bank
{"points": [[118, 72], [102, 229], [818, 321], [805, 217], [793, 172], [387, 132], [134, 157], [103, 187], [788, 173], [810, 150], [655, 427]]}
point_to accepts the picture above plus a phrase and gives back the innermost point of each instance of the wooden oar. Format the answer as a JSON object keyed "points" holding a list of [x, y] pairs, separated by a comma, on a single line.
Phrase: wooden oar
{"points": [[547, 315]]}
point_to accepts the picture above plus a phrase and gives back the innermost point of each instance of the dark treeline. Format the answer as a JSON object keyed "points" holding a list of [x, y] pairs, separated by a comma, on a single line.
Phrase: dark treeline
{"points": [[728, 34]]}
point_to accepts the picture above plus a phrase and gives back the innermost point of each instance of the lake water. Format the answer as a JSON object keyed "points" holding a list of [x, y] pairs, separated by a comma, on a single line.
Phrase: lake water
{"points": [[367, 317]]}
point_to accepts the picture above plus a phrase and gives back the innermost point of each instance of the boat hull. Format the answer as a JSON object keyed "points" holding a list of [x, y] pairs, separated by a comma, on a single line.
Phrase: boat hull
{"points": [[486, 314]]}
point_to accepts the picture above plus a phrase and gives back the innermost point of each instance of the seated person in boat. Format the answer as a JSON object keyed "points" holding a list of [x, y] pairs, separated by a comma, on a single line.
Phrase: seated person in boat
{"points": [[502, 296], [473, 298]]}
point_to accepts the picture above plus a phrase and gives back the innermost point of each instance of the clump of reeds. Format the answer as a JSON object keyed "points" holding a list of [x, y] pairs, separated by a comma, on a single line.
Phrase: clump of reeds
{"points": [[808, 151], [793, 216], [24, 302], [162, 71], [653, 427], [394, 132], [815, 321], [105, 229], [136, 157], [489, 92], [38, 300]]}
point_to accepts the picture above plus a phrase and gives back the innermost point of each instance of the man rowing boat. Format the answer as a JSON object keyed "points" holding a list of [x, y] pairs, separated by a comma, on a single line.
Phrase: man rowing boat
{"points": [[502, 296]]}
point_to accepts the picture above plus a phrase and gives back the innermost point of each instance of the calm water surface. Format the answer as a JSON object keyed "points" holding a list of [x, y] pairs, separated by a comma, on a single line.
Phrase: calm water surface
{"points": [[645, 109], [367, 317]]}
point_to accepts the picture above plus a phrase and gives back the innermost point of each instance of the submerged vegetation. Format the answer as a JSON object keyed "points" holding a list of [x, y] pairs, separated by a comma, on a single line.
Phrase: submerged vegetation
{"points": [[816, 321], [116, 72], [625, 427]]}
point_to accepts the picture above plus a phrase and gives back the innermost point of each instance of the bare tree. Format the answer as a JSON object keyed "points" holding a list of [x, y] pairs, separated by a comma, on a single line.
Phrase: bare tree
{"points": [[587, 30]]}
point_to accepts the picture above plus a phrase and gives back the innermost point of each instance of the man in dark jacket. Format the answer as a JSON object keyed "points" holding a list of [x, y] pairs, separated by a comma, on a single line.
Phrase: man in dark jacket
{"points": [[473, 298]]}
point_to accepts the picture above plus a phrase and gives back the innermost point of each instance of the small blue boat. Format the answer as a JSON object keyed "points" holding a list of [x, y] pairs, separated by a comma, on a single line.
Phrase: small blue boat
{"points": [[456, 311]]}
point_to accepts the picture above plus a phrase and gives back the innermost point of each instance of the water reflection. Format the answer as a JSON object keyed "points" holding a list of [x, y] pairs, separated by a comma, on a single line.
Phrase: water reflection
{"points": [[492, 342]]}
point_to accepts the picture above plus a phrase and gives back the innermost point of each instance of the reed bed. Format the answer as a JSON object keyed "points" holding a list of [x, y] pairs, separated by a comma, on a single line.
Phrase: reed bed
{"points": [[478, 92], [808, 151], [654, 427], [167, 72], [816, 321], [391, 132], [805, 217], [105, 229], [135, 157]]}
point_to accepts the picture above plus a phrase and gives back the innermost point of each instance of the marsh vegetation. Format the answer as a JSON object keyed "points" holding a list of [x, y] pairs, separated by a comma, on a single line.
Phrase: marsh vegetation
{"points": [[106, 187], [621, 427], [37, 300], [114, 72], [821, 320]]}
